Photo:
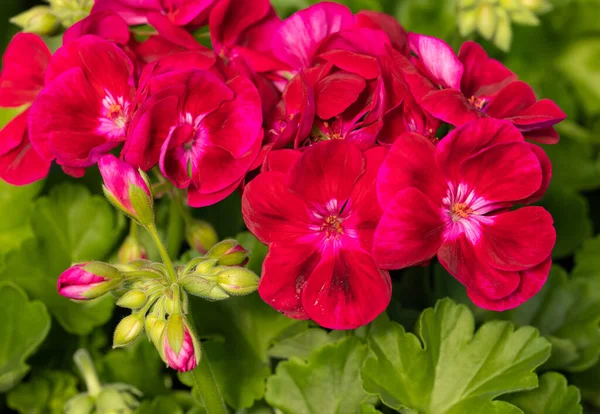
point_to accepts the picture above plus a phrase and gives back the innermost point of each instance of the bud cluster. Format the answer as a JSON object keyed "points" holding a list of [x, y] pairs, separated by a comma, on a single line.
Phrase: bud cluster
{"points": [[157, 292], [48, 20]]}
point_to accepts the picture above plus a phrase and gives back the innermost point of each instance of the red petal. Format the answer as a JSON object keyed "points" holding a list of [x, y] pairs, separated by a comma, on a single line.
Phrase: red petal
{"points": [[410, 163], [346, 290], [326, 174], [273, 213], [543, 135], [546, 166], [461, 260], [511, 100], [281, 160], [23, 66], [451, 106], [409, 232], [198, 199], [173, 33], [285, 270], [177, 163], [517, 240], [20, 164], [387, 23], [358, 63], [438, 58], [483, 76], [470, 139], [230, 19], [543, 113], [503, 172], [105, 24], [531, 282], [336, 92]]}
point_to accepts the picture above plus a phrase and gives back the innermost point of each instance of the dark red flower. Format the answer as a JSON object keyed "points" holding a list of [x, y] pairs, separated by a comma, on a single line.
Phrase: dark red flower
{"points": [[458, 89], [316, 211], [453, 200], [23, 66], [85, 108]]}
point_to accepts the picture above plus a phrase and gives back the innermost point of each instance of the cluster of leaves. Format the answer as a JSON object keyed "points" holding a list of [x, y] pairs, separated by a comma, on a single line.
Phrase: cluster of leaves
{"points": [[427, 354]]}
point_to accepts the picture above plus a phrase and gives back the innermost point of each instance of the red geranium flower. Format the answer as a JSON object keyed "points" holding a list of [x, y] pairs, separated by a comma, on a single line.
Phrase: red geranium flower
{"points": [[23, 66], [458, 89], [317, 211], [453, 200], [85, 108]]}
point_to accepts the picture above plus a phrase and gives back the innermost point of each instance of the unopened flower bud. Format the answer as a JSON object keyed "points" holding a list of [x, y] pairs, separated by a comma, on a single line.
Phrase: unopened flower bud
{"points": [[39, 20], [80, 404], [88, 280], [186, 356], [229, 253], [131, 250], [155, 327], [197, 285], [127, 189], [128, 330], [237, 281], [201, 236], [134, 299]]}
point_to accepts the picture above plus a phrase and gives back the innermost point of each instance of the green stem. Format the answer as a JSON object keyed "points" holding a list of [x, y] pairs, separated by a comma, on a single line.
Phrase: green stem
{"points": [[86, 367], [163, 252], [206, 387]]}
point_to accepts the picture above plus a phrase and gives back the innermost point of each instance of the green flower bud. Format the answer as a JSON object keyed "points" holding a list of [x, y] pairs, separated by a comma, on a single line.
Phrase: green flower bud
{"points": [[175, 332], [80, 404], [201, 236], [155, 327], [503, 35], [134, 299], [39, 20], [229, 253], [131, 250], [128, 330], [237, 281], [197, 285]]}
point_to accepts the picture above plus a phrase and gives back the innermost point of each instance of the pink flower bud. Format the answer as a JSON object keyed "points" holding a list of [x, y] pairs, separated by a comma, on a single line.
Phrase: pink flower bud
{"points": [[229, 253], [131, 250], [127, 189], [87, 280], [185, 359]]}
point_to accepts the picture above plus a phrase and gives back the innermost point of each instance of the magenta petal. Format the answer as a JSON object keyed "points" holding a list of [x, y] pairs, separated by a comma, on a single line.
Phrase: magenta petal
{"points": [[336, 92], [185, 360], [547, 135], [199, 199], [183, 12], [532, 280], [281, 160], [229, 19], [541, 114], [285, 271], [326, 174], [346, 290], [118, 177], [503, 172], [410, 231], [438, 58], [299, 35], [517, 240], [178, 163], [74, 282], [404, 168], [273, 213], [546, 166], [469, 139], [20, 164], [483, 77], [133, 11], [459, 257], [387, 23], [174, 34], [107, 25], [23, 66]]}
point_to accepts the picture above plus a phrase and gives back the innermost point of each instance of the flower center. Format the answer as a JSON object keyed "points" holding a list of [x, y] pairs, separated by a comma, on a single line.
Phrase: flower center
{"points": [[332, 226], [460, 210], [114, 116], [477, 102]]}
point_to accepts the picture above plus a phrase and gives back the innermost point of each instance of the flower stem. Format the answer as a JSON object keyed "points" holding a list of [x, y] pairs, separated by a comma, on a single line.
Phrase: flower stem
{"points": [[163, 252], [206, 387], [86, 367]]}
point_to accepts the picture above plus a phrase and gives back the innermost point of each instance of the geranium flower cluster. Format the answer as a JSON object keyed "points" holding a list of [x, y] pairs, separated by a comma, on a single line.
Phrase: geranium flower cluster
{"points": [[329, 122]]}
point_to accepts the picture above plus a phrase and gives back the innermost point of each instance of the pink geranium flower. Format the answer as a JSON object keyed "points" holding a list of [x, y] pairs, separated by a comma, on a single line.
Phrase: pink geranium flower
{"points": [[85, 108], [23, 66], [458, 89], [316, 211], [453, 200], [185, 359]]}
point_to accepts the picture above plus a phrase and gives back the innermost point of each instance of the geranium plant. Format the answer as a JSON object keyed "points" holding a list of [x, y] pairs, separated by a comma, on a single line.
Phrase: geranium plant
{"points": [[234, 206]]}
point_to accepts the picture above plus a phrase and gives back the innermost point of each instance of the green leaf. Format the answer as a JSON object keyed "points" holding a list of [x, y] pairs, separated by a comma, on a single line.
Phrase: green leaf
{"points": [[225, 216], [567, 314], [257, 250], [302, 344], [588, 381], [449, 369], [243, 329], [70, 225], [553, 396], [434, 17], [24, 327], [575, 165], [160, 405], [327, 383], [47, 392], [16, 204], [587, 260], [579, 63], [138, 365], [570, 212]]}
